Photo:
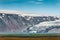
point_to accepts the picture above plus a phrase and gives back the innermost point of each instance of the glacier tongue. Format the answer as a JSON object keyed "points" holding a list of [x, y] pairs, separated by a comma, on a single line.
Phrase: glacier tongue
{"points": [[46, 27]]}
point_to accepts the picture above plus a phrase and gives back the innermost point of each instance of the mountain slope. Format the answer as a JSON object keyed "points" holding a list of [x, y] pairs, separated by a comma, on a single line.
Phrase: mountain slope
{"points": [[15, 21]]}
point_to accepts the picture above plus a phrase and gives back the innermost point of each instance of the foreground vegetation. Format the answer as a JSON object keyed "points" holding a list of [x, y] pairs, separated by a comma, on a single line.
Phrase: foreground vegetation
{"points": [[27, 35]]}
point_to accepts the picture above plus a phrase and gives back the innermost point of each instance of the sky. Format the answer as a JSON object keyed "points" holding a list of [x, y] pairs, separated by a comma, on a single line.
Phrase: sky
{"points": [[32, 6]]}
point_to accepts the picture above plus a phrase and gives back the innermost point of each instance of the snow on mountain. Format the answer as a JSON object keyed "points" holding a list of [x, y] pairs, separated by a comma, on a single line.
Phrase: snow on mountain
{"points": [[23, 13], [46, 27], [17, 21], [14, 12], [49, 23], [54, 30]]}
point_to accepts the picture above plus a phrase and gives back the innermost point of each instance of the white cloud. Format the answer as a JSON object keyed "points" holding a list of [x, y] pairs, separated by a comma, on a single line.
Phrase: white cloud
{"points": [[40, 0], [38, 3], [31, 1], [34, 2]]}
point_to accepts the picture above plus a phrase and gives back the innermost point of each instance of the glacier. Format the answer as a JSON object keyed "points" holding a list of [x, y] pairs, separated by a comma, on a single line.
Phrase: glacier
{"points": [[46, 27]]}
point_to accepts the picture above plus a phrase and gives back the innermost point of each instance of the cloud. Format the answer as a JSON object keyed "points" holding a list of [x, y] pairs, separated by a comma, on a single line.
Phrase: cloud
{"points": [[36, 2], [31, 1], [40, 0]]}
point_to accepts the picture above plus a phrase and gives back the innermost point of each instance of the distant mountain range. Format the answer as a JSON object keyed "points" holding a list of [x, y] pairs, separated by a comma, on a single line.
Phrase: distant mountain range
{"points": [[15, 21]]}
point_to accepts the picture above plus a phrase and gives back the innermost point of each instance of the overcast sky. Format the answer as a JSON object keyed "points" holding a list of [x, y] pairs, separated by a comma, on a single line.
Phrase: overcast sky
{"points": [[38, 6]]}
